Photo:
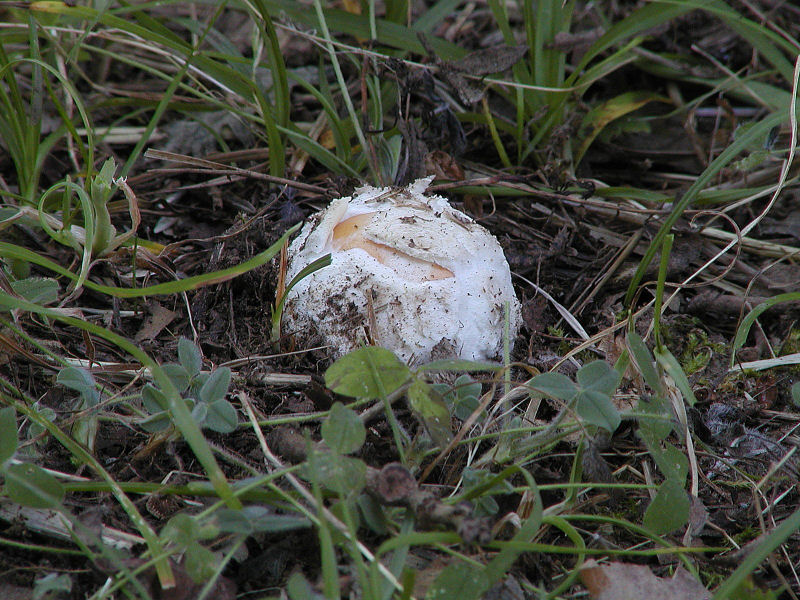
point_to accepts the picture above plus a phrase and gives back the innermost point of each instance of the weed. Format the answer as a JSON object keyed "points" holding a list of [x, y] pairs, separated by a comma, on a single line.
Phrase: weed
{"points": [[202, 391]]}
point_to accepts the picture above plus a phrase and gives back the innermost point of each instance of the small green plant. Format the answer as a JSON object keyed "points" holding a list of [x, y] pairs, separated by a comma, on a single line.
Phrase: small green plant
{"points": [[698, 352], [669, 509], [277, 310], [101, 188], [41, 290], [51, 586], [343, 434], [24, 483], [374, 373], [98, 236], [21, 115], [480, 486], [84, 429], [462, 398], [35, 430], [203, 392], [185, 533], [589, 395], [189, 535]]}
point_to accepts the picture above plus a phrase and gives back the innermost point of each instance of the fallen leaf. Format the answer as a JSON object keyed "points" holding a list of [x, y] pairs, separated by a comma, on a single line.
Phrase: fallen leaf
{"points": [[157, 320], [489, 60], [479, 63], [790, 226], [443, 166], [352, 6], [394, 484], [615, 581], [507, 589], [698, 516], [184, 589]]}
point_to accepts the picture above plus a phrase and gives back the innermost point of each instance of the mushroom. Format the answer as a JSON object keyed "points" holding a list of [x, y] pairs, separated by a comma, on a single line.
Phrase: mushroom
{"points": [[408, 272]]}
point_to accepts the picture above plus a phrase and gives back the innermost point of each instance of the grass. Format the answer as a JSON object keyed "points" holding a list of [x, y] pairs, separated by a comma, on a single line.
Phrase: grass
{"points": [[137, 281]]}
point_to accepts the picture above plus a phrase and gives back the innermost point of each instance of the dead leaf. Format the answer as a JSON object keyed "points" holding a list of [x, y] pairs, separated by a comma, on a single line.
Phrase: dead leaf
{"points": [[468, 92], [478, 63], [489, 60], [426, 571], [412, 160], [184, 588], [507, 589], [327, 140], [790, 226], [157, 320], [698, 516], [443, 166], [197, 137], [595, 467], [781, 278], [393, 484], [352, 6], [614, 581], [473, 205], [289, 444]]}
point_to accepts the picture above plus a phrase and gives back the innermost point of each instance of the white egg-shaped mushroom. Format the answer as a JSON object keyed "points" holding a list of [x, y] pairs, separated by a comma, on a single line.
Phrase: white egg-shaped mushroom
{"points": [[408, 272]]}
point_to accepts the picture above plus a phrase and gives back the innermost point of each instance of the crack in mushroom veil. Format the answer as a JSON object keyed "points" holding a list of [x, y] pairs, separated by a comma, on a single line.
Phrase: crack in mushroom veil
{"points": [[416, 272]]}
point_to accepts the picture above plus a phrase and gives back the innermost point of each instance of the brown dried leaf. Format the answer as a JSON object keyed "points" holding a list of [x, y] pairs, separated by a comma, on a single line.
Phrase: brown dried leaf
{"points": [[393, 484], [443, 166], [468, 92], [507, 589], [698, 516], [636, 582], [790, 226], [781, 278], [154, 323], [412, 161], [478, 63], [288, 443], [352, 6], [489, 60]]}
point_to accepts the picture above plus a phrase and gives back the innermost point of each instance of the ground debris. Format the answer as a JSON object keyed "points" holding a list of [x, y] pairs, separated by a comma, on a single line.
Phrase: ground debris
{"points": [[616, 580]]}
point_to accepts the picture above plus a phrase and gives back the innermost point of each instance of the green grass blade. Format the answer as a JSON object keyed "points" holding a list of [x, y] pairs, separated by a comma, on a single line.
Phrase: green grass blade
{"points": [[163, 104], [649, 16], [434, 15], [180, 413], [666, 248], [744, 328], [304, 272], [348, 102], [280, 91], [757, 555], [358, 26], [171, 287], [78, 451], [752, 135]]}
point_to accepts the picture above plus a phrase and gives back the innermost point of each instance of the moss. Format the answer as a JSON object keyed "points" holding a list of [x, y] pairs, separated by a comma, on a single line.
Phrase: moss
{"points": [[791, 344], [698, 351]]}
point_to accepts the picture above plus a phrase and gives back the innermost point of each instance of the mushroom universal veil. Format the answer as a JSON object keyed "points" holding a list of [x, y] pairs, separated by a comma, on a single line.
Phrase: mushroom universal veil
{"points": [[408, 272]]}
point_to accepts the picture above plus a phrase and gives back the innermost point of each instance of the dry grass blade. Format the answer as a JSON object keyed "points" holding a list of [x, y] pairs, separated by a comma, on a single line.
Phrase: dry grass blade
{"points": [[211, 167]]}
